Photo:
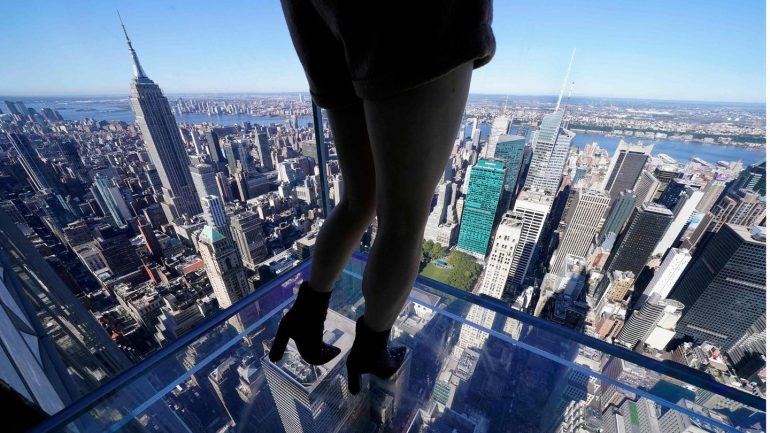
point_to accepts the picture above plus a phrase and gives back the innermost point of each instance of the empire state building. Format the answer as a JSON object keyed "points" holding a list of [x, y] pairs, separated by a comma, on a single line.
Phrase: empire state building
{"points": [[163, 141]]}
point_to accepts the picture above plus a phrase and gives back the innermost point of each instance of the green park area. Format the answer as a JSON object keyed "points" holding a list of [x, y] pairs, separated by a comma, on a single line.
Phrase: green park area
{"points": [[455, 268]]}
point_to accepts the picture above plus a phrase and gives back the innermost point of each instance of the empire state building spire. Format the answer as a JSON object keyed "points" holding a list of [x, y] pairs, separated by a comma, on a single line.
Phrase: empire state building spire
{"points": [[163, 142], [138, 71]]}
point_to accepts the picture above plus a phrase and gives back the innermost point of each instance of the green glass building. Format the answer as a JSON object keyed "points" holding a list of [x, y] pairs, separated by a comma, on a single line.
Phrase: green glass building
{"points": [[484, 190], [510, 148]]}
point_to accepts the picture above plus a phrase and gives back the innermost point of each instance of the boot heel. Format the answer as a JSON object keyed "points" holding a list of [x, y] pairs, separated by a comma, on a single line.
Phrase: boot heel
{"points": [[279, 343], [354, 381]]}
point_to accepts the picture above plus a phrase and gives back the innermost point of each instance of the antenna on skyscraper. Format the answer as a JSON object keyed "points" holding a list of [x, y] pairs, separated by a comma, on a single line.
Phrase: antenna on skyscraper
{"points": [[505, 107], [569, 95], [138, 71], [564, 83], [124, 27]]}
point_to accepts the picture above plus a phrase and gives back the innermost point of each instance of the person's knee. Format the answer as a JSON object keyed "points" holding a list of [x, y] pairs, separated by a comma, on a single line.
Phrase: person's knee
{"points": [[362, 209], [404, 226]]}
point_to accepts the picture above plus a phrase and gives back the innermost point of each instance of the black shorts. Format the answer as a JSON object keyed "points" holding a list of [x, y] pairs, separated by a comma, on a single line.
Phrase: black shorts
{"points": [[359, 49]]}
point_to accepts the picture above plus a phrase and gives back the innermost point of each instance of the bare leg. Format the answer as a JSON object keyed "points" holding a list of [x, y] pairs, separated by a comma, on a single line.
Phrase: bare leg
{"points": [[341, 232], [411, 136]]}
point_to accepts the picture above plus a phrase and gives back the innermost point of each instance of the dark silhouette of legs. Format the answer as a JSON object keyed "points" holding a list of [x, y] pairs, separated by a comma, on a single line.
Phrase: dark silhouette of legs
{"points": [[341, 233], [411, 135], [337, 239], [405, 141]]}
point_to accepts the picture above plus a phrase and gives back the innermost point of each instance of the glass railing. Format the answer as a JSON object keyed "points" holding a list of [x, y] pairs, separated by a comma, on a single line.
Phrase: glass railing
{"points": [[474, 365]]}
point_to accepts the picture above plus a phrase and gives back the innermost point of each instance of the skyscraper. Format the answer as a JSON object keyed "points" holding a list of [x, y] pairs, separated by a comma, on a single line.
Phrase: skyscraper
{"points": [[711, 193], [581, 228], [214, 212], [674, 192], [232, 151], [635, 245], [224, 270], [653, 324], [214, 150], [150, 240], [110, 197], [41, 175], [493, 283], [645, 188], [116, 250], [723, 290], [263, 150], [12, 108], [55, 350], [666, 275], [742, 207], [683, 213], [223, 186], [510, 148], [532, 208], [619, 212], [550, 147], [246, 229], [500, 126], [204, 179], [314, 399], [752, 178], [438, 214], [626, 165], [163, 141], [479, 210]]}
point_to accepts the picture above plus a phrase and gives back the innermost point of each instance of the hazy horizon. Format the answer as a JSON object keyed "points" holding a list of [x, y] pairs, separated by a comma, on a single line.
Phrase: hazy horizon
{"points": [[125, 96]]}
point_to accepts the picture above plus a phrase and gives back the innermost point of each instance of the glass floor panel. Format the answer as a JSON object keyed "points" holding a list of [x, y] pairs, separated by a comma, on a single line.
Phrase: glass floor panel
{"points": [[474, 365]]}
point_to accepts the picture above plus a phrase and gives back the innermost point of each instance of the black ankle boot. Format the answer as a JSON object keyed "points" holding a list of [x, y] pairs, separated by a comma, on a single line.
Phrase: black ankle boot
{"points": [[370, 354], [304, 323]]}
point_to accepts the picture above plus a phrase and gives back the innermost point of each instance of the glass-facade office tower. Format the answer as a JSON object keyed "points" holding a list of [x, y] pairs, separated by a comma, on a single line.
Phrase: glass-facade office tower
{"points": [[484, 191], [214, 212], [510, 148], [723, 289], [752, 178], [626, 166], [41, 175], [674, 191], [163, 141], [647, 225], [550, 147], [53, 349], [110, 196], [645, 188], [619, 212]]}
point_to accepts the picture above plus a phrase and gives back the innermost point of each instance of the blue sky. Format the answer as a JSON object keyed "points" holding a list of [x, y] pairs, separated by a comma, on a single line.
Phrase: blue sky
{"points": [[679, 50]]}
